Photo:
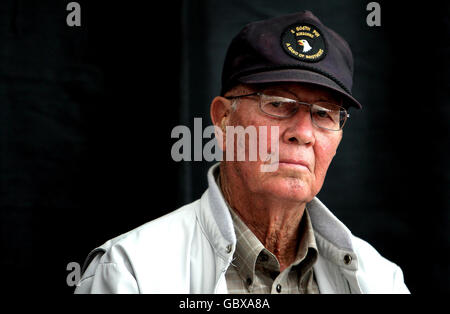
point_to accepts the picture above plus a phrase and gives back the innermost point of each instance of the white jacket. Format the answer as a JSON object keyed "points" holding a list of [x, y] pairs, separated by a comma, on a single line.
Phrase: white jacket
{"points": [[190, 249]]}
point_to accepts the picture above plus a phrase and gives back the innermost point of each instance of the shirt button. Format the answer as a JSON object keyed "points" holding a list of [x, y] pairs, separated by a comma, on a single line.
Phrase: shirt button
{"points": [[278, 288], [347, 259], [263, 257], [229, 248]]}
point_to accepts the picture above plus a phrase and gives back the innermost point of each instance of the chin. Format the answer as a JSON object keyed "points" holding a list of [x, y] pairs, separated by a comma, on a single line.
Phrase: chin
{"points": [[289, 189]]}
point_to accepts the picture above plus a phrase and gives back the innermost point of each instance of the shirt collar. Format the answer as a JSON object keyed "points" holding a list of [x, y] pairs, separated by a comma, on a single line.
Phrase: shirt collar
{"points": [[334, 240], [249, 249]]}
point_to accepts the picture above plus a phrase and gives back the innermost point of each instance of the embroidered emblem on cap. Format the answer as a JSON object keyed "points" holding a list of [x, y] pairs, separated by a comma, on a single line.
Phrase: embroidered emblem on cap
{"points": [[304, 42]]}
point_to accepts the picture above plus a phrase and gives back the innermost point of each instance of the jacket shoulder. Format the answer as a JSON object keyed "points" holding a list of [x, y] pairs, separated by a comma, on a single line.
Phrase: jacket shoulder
{"points": [[175, 223], [130, 254], [375, 273]]}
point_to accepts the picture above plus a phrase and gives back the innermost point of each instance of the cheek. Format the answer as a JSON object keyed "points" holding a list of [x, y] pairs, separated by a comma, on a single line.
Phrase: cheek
{"points": [[261, 143], [324, 151], [249, 170]]}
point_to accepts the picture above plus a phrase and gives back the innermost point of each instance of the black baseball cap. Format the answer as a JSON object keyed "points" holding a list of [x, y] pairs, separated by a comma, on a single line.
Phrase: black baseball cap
{"points": [[290, 48]]}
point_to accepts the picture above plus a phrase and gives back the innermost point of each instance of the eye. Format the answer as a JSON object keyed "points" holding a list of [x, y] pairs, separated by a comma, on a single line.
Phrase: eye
{"points": [[322, 113], [328, 116], [280, 108], [276, 104]]}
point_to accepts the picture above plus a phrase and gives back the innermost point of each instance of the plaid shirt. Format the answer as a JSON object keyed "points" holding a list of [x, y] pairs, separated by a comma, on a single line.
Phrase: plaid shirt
{"points": [[256, 270]]}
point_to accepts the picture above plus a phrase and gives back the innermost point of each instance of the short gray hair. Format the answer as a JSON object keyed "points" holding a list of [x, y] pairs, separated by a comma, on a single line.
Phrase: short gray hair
{"points": [[234, 104]]}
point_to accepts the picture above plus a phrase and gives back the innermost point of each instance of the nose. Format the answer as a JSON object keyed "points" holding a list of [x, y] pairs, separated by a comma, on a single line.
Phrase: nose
{"points": [[300, 128]]}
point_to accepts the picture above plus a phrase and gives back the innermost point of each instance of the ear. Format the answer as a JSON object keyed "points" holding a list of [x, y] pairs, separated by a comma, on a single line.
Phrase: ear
{"points": [[220, 110], [220, 114]]}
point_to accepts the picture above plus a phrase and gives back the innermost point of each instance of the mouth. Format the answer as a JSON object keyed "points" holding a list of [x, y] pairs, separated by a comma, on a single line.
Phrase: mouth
{"points": [[299, 164]]}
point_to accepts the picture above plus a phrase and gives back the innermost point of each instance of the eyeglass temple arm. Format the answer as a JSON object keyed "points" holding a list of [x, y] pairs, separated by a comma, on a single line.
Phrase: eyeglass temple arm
{"points": [[239, 96]]}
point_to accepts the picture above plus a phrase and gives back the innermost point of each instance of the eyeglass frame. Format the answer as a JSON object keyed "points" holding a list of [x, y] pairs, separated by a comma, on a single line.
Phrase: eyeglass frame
{"points": [[346, 115]]}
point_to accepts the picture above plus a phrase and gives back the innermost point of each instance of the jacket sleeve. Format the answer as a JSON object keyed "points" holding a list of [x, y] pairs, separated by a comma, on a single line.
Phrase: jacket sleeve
{"points": [[375, 273], [399, 283], [106, 277]]}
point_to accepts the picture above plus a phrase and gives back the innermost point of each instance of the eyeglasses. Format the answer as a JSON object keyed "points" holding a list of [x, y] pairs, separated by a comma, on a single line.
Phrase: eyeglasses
{"points": [[324, 114]]}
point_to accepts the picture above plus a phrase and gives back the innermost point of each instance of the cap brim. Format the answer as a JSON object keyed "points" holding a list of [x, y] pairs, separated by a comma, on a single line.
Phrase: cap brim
{"points": [[298, 76]]}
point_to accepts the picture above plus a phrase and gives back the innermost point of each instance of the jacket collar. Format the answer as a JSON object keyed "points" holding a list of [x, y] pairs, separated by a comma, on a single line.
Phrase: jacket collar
{"points": [[334, 239]]}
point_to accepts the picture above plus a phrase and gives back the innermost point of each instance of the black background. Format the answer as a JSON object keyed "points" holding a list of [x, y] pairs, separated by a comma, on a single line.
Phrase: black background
{"points": [[86, 115]]}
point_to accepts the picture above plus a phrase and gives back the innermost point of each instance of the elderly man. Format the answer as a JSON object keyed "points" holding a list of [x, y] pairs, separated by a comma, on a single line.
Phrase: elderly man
{"points": [[257, 231]]}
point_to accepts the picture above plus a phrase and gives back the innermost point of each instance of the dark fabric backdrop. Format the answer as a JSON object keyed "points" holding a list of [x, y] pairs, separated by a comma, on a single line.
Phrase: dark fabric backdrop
{"points": [[389, 182], [86, 116]]}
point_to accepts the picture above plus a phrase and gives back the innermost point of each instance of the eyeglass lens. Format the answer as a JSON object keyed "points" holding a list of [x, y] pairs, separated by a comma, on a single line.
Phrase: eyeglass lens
{"points": [[323, 114]]}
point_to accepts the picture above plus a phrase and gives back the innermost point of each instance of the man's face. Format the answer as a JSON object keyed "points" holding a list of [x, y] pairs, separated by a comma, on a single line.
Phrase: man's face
{"points": [[305, 151]]}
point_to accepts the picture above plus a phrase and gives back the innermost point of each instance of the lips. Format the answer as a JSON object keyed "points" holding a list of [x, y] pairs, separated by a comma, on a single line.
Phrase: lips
{"points": [[303, 163]]}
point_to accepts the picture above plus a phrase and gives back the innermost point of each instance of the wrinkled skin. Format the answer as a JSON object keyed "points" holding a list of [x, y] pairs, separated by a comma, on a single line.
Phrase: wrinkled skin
{"points": [[272, 203]]}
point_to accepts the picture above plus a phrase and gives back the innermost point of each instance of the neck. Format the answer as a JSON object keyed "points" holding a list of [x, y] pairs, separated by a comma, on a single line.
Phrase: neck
{"points": [[273, 221]]}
